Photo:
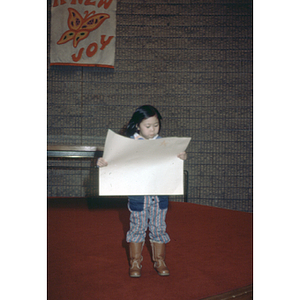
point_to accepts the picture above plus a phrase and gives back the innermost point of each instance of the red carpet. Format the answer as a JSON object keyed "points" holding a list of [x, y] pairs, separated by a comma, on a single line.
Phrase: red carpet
{"points": [[210, 252]]}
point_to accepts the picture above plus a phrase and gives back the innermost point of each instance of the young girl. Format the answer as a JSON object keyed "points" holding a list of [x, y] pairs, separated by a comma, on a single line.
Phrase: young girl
{"points": [[146, 211]]}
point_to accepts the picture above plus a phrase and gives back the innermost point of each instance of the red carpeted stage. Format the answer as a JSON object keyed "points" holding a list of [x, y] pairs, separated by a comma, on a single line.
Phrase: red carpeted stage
{"points": [[210, 252]]}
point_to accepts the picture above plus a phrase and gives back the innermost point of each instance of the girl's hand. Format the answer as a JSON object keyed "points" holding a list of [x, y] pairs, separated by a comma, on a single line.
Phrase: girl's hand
{"points": [[182, 155], [101, 162]]}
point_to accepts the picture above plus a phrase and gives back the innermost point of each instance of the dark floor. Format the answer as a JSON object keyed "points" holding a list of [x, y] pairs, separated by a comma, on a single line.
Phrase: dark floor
{"points": [[245, 293]]}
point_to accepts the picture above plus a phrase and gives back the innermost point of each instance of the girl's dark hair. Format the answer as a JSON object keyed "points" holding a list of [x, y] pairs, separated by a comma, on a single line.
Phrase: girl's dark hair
{"points": [[141, 113]]}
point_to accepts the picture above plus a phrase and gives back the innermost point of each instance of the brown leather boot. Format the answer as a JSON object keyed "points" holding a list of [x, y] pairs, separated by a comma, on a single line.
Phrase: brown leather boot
{"points": [[158, 256], [135, 253]]}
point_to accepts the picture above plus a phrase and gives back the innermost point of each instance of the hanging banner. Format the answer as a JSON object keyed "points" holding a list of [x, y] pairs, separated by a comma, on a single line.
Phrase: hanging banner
{"points": [[83, 32]]}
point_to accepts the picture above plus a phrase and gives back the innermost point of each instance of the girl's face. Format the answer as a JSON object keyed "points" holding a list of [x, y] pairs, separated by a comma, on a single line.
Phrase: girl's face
{"points": [[149, 128]]}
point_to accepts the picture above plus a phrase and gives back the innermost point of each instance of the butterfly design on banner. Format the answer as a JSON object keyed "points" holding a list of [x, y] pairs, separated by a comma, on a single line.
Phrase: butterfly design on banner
{"points": [[79, 27]]}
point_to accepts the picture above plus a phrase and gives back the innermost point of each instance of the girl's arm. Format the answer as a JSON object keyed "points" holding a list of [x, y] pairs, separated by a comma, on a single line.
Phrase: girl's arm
{"points": [[182, 155], [101, 162]]}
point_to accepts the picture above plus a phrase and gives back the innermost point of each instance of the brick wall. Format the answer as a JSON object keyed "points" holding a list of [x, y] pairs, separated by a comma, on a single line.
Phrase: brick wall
{"points": [[190, 59]]}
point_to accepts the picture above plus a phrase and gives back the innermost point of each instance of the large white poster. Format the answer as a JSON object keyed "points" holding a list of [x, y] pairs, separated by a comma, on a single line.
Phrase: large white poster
{"points": [[142, 167], [83, 32]]}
